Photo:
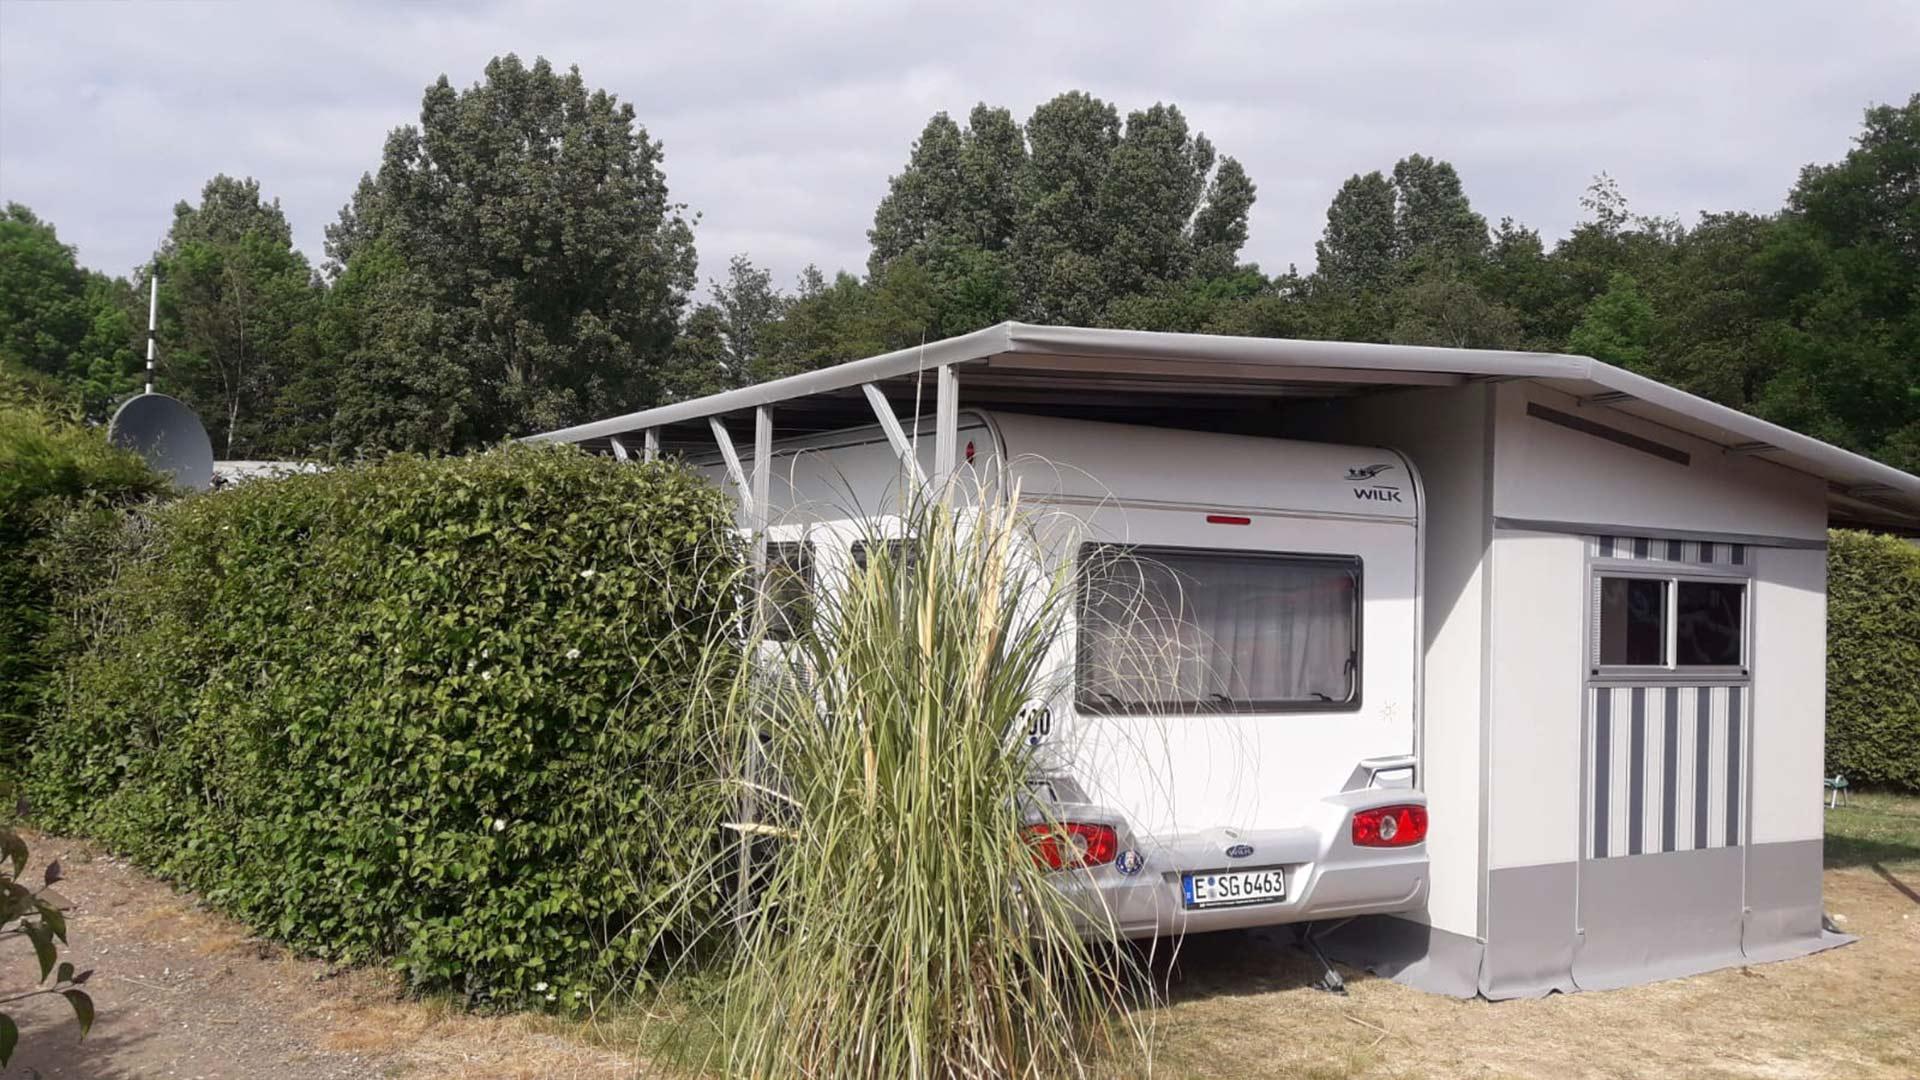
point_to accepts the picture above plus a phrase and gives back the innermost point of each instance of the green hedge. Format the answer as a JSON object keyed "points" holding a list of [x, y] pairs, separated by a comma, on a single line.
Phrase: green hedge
{"points": [[57, 476], [427, 710], [1873, 659]]}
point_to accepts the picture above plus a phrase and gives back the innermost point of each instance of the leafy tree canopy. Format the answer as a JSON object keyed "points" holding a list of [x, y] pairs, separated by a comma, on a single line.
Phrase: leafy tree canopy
{"points": [[532, 219], [70, 326]]}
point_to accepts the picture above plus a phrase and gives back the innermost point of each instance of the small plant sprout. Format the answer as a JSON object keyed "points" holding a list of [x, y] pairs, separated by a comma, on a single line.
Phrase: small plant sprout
{"points": [[36, 915]]}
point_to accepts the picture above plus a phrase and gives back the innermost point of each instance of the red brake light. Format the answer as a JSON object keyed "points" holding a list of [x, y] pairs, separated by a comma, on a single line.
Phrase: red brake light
{"points": [[1390, 826], [1228, 519], [1072, 845]]}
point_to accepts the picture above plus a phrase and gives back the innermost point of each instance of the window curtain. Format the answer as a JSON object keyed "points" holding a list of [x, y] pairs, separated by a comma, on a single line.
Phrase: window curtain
{"points": [[1215, 631]]}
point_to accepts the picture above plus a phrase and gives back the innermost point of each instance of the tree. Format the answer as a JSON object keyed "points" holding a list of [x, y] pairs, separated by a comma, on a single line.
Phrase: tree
{"points": [[533, 216], [926, 202], [1433, 218], [1518, 274], [1220, 226], [748, 305], [1055, 222], [1450, 311], [1617, 328], [390, 382], [237, 302], [70, 325], [1871, 199], [1359, 248], [700, 364], [1381, 233]]}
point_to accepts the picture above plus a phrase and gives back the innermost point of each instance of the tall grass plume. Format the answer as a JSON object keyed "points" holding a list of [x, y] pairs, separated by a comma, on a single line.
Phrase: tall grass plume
{"points": [[898, 923]]}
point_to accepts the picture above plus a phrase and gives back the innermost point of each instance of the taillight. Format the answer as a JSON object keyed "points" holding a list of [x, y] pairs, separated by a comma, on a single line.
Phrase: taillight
{"points": [[1390, 826], [1072, 845]]}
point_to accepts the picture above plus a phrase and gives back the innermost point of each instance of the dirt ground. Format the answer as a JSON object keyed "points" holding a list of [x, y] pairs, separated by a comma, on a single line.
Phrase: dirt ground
{"points": [[183, 993]]}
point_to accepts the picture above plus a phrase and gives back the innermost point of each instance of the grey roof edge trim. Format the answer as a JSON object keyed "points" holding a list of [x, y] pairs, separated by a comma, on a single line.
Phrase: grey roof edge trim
{"points": [[1362, 356], [1826, 461], [1832, 462], [974, 346], [1032, 338]]}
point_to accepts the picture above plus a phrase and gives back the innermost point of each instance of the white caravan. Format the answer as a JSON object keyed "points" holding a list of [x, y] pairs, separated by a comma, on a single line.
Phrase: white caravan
{"points": [[1248, 762]]}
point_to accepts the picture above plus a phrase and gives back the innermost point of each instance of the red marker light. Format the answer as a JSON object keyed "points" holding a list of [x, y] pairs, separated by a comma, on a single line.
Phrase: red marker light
{"points": [[1228, 519], [1072, 845], [1390, 826]]}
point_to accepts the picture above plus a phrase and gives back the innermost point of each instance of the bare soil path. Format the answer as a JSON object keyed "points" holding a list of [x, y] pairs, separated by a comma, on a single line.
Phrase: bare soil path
{"points": [[183, 994]]}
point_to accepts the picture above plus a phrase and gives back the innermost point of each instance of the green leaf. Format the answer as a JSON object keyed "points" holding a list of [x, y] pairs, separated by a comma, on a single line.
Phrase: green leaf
{"points": [[42, 938], [82, 1009], [55, 919], [9, 1038], [14, 850]]}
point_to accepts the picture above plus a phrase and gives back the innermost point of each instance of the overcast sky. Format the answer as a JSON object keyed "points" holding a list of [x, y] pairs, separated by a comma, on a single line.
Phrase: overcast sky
{"points": [[781, 129]]}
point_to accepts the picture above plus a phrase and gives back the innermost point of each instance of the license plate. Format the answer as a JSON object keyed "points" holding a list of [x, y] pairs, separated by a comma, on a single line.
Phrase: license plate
{"points": [[1234, 888]]}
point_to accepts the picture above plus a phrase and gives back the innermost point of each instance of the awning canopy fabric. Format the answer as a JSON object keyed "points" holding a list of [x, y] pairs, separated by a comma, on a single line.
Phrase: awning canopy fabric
{"points": [[1133, 375]]}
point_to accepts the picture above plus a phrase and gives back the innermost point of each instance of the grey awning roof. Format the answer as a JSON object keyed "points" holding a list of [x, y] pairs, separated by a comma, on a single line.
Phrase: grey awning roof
{"points": [[1023, 365]]}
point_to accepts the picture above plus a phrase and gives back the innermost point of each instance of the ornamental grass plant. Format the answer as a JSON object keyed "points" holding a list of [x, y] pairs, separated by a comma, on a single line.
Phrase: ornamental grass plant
{"points": [[898, 923]]}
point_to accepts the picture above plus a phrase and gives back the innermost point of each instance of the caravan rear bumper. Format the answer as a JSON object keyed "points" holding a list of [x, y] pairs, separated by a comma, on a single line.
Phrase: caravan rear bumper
{"points": [[1326, 875]]}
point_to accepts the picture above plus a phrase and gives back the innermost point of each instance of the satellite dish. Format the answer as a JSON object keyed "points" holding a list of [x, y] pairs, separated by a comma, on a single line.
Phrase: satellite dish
{"points": [[168, 435]]}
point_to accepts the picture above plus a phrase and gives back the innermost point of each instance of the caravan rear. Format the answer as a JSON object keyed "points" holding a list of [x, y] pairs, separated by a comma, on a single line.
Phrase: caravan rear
{"points": [[1231, 738]]}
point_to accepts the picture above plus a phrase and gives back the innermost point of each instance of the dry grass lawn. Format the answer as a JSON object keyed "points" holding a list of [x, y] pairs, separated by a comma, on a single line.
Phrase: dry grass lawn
{"points": [[1850, 1014]]}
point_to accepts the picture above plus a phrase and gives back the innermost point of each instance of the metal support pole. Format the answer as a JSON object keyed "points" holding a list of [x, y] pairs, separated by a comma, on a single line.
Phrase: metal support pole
{"points": [[619, 448], [762, 476], [651, 452], [757, 520], [153, 315], [889, 423], [734, 471], [946, 425]]}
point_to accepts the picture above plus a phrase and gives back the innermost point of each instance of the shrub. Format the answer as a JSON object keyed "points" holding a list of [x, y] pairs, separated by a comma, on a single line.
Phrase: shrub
{"points": [[431, 710], [1873, 659], [56, 476]]}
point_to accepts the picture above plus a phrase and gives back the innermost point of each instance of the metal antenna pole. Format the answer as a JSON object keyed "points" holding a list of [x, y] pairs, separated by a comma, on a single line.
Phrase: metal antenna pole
{"points": [[153, 313]]}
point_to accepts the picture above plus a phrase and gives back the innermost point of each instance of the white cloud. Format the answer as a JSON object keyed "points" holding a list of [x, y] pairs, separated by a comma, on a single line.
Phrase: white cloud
{"points": [[781, 128]]}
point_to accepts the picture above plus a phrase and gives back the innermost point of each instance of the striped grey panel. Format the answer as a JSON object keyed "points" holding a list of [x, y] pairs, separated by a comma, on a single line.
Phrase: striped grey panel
{"points": [[1665, 768], [1655, 549]]}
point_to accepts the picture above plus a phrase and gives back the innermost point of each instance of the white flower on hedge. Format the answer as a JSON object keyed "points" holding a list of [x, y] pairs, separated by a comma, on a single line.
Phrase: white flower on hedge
{"points": [[539, 988], [588, 573], [487, 675], [499, 824], [549, 997], [573, 654]]}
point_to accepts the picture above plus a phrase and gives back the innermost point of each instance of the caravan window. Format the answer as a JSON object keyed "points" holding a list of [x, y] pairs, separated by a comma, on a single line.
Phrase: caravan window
{"points": [[1184, 630], [789, 589], [897, 550]]}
